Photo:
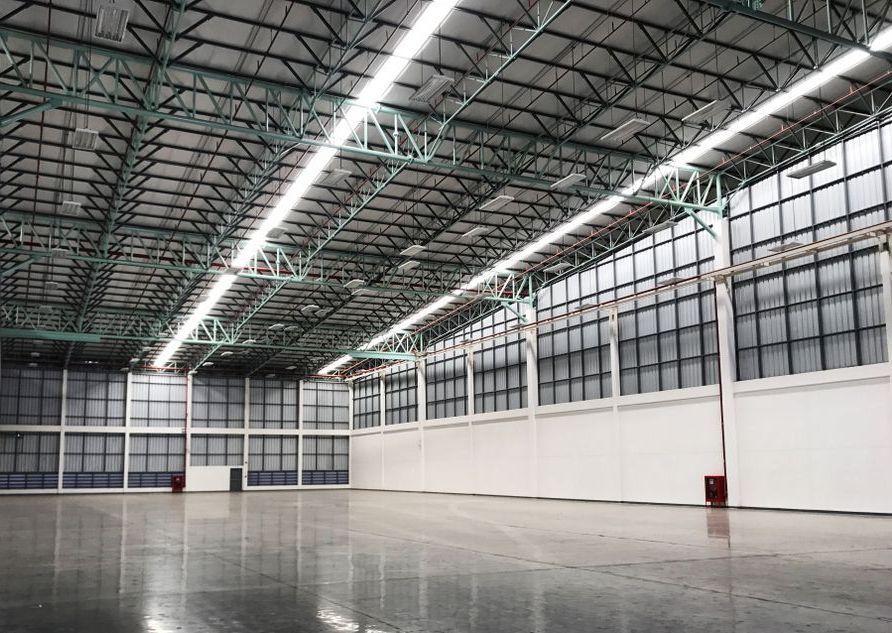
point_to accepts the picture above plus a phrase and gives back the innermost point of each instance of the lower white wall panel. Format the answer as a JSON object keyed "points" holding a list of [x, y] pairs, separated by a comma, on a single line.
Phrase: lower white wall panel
{"points": [[667, 448], [402, 466], [447, 459], [207, 478], [820, 446], [579, 455], [365, 461], [820, 441]]}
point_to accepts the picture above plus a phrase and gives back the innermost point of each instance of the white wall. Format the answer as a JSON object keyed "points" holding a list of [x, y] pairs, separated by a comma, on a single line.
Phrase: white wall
{"points": [[207, 478], [819, 441], [653, 447]]}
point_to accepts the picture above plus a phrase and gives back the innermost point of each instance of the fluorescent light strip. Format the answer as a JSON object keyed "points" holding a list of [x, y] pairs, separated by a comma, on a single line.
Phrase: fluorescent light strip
{"points": [[431, 18], [801, 88]]}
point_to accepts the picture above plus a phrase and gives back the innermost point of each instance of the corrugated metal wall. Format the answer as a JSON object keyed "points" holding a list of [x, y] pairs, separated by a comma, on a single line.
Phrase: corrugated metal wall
{"points": [[96, 398], [500, 374], [446, 382], [158, 400], [823, 311], [218, 402], [273, 403], [367, 402], [400, 395], [30, 395], [326, 405], [216, 450]]}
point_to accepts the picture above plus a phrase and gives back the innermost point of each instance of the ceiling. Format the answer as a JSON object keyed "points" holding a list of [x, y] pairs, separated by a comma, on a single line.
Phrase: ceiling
{"points": [[207, 108]]}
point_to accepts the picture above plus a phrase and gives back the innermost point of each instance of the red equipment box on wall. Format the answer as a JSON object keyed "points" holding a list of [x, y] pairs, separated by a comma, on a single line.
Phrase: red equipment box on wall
{"points": [[716, 490], [178, 483]]}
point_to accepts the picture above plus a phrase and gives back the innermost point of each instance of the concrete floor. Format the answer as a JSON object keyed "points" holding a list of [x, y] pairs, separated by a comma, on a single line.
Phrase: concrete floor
{"points": [[378, 562]]}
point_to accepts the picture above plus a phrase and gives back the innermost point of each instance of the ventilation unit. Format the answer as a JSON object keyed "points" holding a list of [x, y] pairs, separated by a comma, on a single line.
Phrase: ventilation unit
{"points": [[85, 139], [111, 23]]}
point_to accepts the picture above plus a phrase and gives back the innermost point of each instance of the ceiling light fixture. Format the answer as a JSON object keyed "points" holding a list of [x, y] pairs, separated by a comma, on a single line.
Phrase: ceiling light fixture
{"points": [[783, 247], [626, 130], [658, 228], [275, 326], [70, 208], [335, 177], [494, 204], [705, 113], [809, 170], [374, 90], [414, 249], [354, 283], [409, 265], [433, 87], [567, 181], [310, 307], [477, 230], [111, 23], [559, 267], [226, 353], [690, 155], [84, 139]]}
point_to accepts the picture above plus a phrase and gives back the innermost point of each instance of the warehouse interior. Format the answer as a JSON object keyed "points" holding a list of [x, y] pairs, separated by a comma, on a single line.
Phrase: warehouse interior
{"points": [[445, 315]]}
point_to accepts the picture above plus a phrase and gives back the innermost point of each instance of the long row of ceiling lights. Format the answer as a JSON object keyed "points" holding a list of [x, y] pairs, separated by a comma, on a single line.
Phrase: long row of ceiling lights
{"points": [[809, 84], [411, 44]]}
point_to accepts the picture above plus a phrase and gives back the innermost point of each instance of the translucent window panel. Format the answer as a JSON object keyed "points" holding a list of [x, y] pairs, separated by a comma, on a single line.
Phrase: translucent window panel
{"points": [[96, 398], [574, 354], [94, 453], [216, 450], [446, 382], [29, 452], [158, 400], [326, 405], [272, 453], [218, 402], [273, 404], [157, 453], [30, 395], [400, 395], [367, 402], [326, 453], [500, 377], [817, 312]]}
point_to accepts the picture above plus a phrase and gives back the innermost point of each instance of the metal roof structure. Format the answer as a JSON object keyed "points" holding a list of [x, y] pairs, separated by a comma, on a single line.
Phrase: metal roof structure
{"points": [[204, 109]]}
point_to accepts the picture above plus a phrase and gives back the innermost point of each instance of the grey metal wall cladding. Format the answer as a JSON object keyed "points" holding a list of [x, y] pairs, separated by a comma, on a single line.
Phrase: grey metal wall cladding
{"points": [[157, 453], [326, 405], [446, 382], [817, 312], [273, 404], [30, 395], [665, 342], [216, 450], [401, 395], [96, 398], [94, 453], [29, 452], [158, 400], [218, 402], [367, 402], [326, 453], [272, 452], [500, 377]]}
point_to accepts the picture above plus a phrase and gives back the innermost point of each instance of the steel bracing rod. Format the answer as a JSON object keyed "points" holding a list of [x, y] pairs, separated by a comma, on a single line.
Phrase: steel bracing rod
{"points": [[150, 100], [795, 26], [506, 58]]}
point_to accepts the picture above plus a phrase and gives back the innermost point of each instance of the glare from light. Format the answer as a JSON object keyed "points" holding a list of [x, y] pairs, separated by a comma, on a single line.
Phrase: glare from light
{"points": [[813, 82], [431, 18]]}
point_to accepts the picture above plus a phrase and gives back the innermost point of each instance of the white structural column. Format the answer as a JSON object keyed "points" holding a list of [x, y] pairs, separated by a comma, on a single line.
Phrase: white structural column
{"points": [[421, 400], [245, 431], [724, 314], [531, 348], [128, 408], [469, 378], [886, 271], [300, 432], [615, 388], [187, 429], [62, 421]]}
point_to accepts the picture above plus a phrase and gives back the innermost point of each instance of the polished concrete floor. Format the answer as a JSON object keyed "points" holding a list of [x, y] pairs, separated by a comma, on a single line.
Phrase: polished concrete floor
{"points": [[379, 562]]}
